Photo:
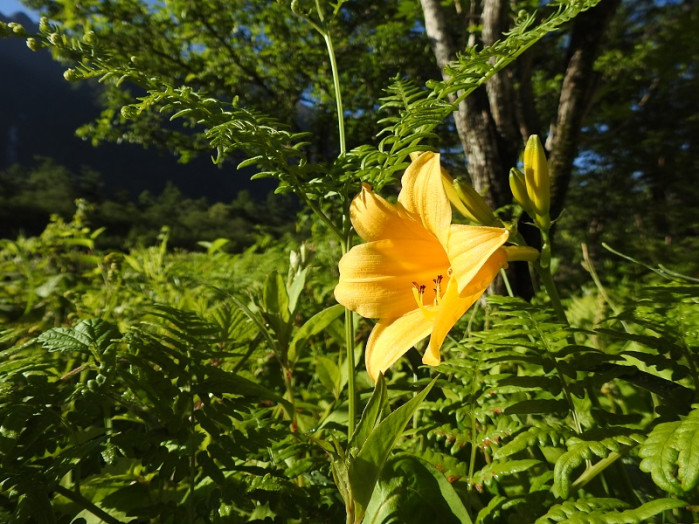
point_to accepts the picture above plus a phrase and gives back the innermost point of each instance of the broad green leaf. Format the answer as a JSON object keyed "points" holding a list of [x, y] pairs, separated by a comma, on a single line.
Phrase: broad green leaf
{"points": [[313, 326], [367, 465], [329, 374], [371, 414], [88, 335], [276, 299], [215, 246], [295, 288], [276, 307], [413, 490]]}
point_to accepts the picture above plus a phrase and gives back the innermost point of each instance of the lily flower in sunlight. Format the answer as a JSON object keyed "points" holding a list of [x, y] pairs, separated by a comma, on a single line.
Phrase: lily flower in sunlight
{"points": [[417, 273]]}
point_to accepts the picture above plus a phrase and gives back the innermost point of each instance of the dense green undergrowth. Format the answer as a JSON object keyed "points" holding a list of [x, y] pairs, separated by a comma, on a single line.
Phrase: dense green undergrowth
{"points": [[154, 385]]}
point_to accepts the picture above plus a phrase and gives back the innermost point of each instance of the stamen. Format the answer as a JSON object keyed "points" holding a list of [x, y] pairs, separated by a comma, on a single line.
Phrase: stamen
{"points": [[437, 291], [418, 294]]}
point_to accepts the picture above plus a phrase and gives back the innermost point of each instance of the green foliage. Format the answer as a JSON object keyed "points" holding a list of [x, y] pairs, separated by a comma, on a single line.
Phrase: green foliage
{"points": [[670, 454], [148, 384], [30, 196]]}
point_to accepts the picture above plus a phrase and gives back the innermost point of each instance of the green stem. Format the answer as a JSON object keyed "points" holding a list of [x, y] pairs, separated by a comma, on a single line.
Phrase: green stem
{"points": [[316, 210], [347, 240], [336, 77], [338, 94], [506, 280], [591, 472], [547, 281], [349, 344]]}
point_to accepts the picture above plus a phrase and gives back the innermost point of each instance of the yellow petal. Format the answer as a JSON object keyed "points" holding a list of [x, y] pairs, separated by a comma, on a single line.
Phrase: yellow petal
{"points": [[376, 278], [391, 338], [469, 247], [454, 304], [374, 218], [422, 194]]}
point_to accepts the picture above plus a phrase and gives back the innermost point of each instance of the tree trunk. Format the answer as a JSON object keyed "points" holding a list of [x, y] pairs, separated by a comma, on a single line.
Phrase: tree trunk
{"points": [[579, 84], [485, 135], [494, 123]]}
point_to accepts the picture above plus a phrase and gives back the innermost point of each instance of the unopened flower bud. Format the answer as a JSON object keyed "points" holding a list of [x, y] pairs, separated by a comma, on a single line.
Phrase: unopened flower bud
{"points": [[518, 186], [55, 39], [294, 260], [17, 29], [467, 201], [521, 253], [90, 37], [129, 112], [33, 44], [44, 26], [70, 75], [536, 174], [475, 203]]}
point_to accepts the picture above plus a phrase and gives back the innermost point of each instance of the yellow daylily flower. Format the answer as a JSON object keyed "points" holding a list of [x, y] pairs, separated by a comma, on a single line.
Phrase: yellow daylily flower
{"points": [[417, 273]]}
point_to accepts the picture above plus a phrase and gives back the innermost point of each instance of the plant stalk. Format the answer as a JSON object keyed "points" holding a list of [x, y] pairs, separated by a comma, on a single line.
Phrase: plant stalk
{"points": [[349, 344], [347, 240]]}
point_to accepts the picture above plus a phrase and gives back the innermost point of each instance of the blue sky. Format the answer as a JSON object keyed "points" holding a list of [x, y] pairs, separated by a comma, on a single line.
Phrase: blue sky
{"points": [[9, 7]]}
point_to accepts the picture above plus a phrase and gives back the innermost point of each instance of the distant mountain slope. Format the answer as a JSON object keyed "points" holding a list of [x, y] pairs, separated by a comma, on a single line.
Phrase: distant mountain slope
{"points": [[39, 112]]}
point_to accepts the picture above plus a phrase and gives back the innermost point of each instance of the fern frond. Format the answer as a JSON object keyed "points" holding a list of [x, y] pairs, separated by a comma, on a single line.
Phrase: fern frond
{"points": [[597, 443], [541, 435], [671, 454], [604, 511], [495, 470]]}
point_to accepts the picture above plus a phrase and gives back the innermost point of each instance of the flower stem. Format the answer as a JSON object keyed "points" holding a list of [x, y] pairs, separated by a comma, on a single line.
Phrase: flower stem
{"points": [[547, 281], [349, 344], [347, 240], [336, 80], [543, 268], [506, 280]]}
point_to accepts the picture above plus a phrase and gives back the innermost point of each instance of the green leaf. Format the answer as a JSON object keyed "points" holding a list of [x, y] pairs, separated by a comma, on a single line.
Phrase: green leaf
{"points": [[671, 454], [215, 246], [370, 415], [495, 470], [275, 297], [554, 435], [366, 467], [87, 335], [276, 307], [329, 374], [220, 381], [527, 407], [412, 490], [295, 288], [605, 511], [313, 326], [579, 451]]}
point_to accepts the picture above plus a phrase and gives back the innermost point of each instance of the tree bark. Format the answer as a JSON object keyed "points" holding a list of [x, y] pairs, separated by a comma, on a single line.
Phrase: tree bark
{"points": [[485, 121], [579, 84], [494, 123]]}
